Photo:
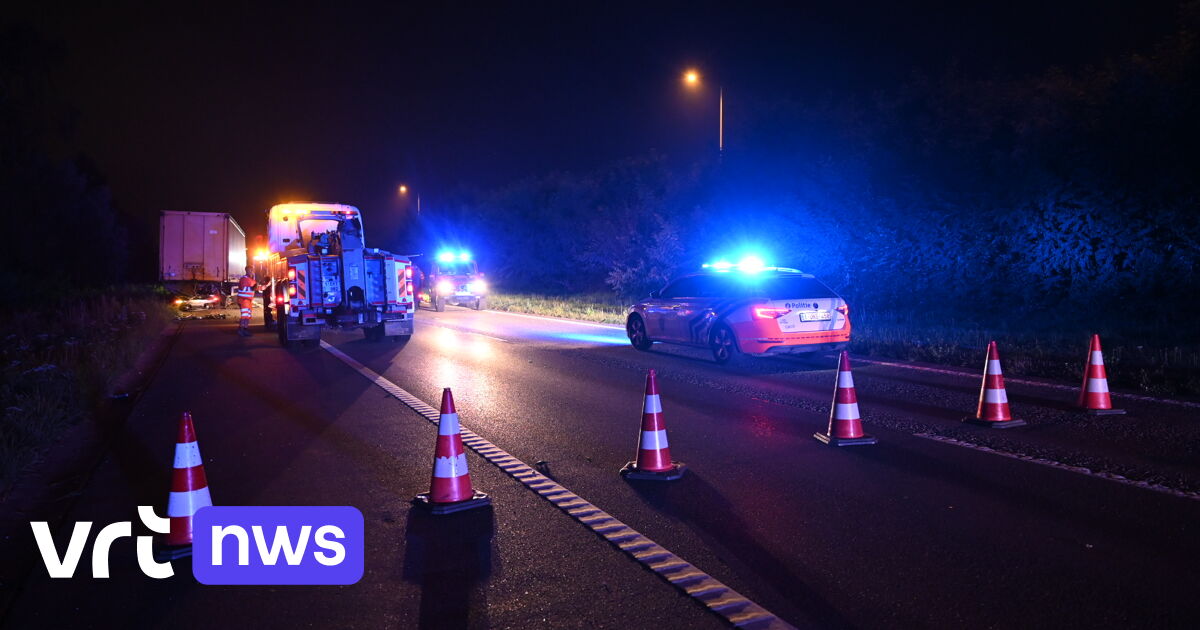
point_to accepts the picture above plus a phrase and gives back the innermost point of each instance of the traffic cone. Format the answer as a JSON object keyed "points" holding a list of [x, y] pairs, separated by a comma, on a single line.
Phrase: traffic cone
{"points": [[993, 399], [654, 454], [845, 425], [189, 492], [1094, 396], [450, 486]]}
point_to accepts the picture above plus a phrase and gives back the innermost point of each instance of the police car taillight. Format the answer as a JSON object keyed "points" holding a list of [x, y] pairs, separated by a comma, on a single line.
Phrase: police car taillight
{"points": [[770, 312]]}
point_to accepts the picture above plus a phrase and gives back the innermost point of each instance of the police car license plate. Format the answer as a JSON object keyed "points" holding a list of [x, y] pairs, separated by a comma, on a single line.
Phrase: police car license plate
{"points": [[814, 316]]}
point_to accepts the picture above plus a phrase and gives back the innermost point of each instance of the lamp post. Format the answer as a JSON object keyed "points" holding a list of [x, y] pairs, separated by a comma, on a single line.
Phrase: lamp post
{"points": [[404, 193], [691, 79]]}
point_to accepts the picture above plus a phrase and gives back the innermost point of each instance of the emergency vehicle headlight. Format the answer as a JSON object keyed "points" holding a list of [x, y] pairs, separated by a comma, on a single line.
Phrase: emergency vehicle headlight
{"points": [[444, 287], [478, 286]]}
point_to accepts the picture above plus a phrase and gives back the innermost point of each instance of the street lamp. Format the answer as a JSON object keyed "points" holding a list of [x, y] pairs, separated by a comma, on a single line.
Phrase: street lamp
{"points": [[691, 79], [404, 193]]}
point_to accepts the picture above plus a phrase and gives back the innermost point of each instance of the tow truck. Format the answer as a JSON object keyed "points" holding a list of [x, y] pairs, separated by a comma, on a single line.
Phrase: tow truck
{"points": [[321, 274], [454, 278]]}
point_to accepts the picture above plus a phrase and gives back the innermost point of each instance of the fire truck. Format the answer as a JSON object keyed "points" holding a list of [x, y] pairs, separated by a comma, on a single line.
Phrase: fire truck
{"points": [[319, 273]]}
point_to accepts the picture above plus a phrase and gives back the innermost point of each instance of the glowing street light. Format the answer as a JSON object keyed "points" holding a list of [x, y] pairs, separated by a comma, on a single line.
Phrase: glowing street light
{"points": [[404, 193], [691, 78]]}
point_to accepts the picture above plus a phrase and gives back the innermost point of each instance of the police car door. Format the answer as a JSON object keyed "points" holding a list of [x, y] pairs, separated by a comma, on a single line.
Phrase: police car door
{"points": [[687, 302], [658, 311]]}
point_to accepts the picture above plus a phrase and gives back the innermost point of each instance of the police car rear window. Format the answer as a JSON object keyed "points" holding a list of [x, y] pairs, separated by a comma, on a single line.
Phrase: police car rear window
{"points": [[777, 288]]}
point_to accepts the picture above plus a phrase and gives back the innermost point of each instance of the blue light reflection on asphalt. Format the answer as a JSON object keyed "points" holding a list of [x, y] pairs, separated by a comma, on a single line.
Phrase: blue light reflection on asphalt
{"points": [[616, 338]]}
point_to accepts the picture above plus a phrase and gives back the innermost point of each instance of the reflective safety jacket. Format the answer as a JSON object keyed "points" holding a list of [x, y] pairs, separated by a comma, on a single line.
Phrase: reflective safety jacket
{"points": [[245, 289]]}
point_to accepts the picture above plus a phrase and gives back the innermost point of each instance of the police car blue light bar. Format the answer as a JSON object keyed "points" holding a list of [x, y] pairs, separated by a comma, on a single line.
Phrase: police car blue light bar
{"points": [[748, 264]]}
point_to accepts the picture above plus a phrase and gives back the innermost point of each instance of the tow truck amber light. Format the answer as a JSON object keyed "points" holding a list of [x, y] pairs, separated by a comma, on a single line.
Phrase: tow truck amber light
{"points": [[291, 274], [770, 312]]}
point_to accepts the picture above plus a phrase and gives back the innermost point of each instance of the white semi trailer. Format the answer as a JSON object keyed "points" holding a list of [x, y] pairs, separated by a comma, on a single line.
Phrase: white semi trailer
{"points": [[200, 249]]}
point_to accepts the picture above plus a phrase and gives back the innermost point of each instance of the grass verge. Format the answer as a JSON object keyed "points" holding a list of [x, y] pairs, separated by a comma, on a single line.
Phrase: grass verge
{"points": [[592, 307], [59, 361], [1158, 369]]}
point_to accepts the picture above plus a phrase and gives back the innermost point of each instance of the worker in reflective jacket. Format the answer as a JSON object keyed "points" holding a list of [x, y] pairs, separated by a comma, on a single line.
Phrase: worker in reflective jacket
{"points": [[245, 298]]}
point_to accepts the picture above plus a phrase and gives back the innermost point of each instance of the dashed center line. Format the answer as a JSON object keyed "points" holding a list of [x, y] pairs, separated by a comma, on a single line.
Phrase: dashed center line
{"points": [[714, 595]]}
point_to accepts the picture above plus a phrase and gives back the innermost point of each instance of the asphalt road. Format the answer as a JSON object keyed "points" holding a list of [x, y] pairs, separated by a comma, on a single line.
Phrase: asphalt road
{"points": [[912, 532]]}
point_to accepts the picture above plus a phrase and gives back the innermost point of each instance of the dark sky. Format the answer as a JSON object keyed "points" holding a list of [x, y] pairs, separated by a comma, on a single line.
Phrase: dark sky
{"points": [[234, 106]]}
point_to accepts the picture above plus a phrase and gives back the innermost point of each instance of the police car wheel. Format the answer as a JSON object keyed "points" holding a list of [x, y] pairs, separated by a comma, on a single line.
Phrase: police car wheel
{"points": [[723, 344], [635, 328]]}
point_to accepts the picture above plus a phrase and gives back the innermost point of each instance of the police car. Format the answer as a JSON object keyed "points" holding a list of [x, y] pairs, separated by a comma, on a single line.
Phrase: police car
{"points": [[743, 309]]}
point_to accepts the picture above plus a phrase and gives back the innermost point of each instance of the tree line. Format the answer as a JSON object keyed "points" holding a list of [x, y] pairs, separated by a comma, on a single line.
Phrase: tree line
{"points": [[1066, 196]]}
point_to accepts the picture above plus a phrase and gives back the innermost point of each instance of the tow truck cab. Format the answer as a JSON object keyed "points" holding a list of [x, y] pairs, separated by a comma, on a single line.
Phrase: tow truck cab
{"points": [[322, 274]]}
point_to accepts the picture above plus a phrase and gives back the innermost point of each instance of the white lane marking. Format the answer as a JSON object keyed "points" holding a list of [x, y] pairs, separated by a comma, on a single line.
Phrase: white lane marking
{"points": [[1021, 381], [1099, 474], [704, 588], [561, 320]]}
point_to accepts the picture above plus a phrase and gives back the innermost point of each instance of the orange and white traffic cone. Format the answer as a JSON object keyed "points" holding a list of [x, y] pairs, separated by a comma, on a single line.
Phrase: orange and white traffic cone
{"points": [[654, 453], [189, 492], [450, 486], [845, 425], [1094, 396], [992, 410]]}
